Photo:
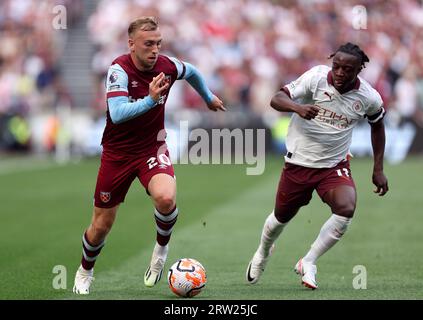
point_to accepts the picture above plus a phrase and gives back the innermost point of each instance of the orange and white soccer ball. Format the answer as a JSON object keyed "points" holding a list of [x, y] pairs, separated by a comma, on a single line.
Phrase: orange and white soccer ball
{"points": [[187, 277]]}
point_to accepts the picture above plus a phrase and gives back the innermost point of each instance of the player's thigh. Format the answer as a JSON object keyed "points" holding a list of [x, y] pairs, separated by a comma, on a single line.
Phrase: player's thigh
{"points": [[337, 189], [294, 191], [342, 200], [113, 181], [157, 175]]}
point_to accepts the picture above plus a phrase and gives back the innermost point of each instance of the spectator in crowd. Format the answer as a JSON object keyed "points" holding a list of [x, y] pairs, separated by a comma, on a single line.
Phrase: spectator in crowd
{"points": [[245, 56]]}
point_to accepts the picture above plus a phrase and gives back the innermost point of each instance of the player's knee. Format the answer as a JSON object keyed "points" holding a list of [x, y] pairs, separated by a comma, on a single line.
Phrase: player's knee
{"points": [[346, 209], [284, 215], [165, 202]]}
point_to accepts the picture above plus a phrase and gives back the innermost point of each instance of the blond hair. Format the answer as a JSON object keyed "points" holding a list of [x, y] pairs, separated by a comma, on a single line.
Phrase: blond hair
{"points": [[144, 24]]}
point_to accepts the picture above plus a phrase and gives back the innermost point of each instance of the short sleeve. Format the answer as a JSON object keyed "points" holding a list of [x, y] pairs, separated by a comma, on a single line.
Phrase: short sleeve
{"points": [[302, 86], [375, 110], [116, 82]]}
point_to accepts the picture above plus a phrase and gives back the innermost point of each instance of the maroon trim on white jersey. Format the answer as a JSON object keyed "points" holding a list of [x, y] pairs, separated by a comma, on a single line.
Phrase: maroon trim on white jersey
{"points": [[286, 90]]}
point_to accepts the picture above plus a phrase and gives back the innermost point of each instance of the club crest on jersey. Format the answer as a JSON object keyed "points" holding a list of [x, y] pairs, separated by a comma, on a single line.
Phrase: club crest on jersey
{"points": [[134, 84], [357, 106], [105, 196], [162, 99], [167, 79], [113, 77]]}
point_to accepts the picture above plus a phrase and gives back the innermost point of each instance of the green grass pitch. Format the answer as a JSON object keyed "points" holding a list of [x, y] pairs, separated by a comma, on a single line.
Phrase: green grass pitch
{"points": [[46, 207]]}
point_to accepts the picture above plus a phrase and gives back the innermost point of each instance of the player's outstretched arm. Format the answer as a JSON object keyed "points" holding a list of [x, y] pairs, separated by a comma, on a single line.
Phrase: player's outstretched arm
{"points": [[378, 144], [196, 80], [282, 102]]}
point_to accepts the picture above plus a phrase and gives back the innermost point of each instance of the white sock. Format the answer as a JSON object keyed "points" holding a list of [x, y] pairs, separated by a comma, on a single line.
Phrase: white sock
{"points": [[271, 230], [329, 235]]}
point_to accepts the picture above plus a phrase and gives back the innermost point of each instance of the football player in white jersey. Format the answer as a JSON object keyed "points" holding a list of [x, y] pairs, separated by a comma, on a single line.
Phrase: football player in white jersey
{"points": [[326, 103]]}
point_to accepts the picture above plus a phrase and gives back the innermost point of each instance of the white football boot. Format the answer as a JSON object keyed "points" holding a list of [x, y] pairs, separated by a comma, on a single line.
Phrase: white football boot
{"points": [[307, 271], [83, 280], [155, 270], [256, 266]]}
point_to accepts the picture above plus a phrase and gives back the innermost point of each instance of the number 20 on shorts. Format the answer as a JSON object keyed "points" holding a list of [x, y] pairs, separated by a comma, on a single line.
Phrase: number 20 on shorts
{"points": [[162, 159]]}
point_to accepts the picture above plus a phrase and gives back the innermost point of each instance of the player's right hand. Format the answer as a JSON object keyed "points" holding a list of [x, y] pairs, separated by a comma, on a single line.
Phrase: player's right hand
{"points": [[216, 104], [308, 111], [157, 86]]}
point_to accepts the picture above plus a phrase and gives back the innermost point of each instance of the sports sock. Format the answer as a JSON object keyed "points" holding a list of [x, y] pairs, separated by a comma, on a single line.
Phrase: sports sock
{"points": [[271, 230], [164, 225], [329, 235], [89, 252]]}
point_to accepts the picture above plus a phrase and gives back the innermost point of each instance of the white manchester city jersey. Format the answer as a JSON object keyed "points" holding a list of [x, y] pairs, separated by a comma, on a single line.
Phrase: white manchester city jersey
{"points": [[324, 141]]}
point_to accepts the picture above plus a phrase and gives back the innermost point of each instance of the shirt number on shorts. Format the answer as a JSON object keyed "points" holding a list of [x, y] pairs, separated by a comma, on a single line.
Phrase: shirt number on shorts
{"points": [[339, 172], [162, 159]]}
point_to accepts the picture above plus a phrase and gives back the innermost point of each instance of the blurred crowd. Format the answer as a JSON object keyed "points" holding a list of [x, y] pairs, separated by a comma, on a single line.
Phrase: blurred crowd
{"points": [[248, 49], [30, 54]]}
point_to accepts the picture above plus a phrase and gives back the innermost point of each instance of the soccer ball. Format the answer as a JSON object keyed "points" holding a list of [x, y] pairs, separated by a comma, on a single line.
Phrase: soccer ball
{"points": [[187, 277]]}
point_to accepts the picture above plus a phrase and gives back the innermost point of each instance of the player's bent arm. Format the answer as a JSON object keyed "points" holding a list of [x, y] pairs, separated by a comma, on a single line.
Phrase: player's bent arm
{"points": [[122, 110], [282, 102], [196, 80]]}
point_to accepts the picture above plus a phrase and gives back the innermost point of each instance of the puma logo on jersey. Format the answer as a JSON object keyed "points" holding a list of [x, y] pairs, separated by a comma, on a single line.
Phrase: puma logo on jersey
{"points": [[329, 95]]}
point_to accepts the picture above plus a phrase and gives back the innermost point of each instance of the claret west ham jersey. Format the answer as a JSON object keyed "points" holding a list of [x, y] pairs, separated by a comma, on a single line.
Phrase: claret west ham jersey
{"points": [[324, 141], [139, 135]]}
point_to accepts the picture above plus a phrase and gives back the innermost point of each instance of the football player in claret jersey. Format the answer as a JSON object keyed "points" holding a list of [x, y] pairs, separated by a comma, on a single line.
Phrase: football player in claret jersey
{"points": [[326, 103], [138, 86]]}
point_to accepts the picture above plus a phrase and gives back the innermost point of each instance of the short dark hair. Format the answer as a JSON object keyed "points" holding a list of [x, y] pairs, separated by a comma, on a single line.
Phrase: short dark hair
{"points": [[354, 50]]}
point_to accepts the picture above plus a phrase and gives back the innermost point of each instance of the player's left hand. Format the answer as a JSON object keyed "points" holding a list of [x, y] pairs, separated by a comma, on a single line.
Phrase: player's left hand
{"points": [[216, 104], [381, 183]]}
